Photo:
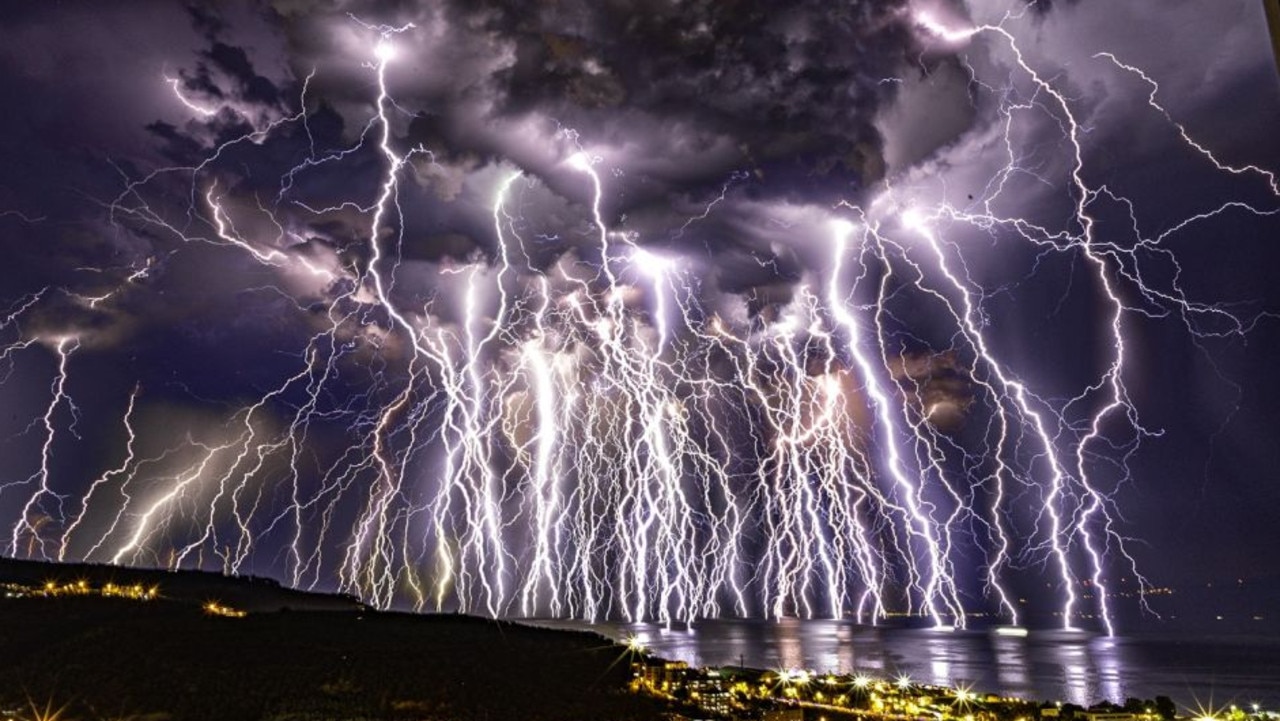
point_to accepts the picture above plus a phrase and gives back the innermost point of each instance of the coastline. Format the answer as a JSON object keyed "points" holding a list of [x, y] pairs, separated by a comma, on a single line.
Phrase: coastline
{"points": [[1200, 672]]}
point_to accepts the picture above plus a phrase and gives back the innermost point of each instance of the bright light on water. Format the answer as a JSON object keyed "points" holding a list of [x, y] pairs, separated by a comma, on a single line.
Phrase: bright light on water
{"points": [[1079, 668]]}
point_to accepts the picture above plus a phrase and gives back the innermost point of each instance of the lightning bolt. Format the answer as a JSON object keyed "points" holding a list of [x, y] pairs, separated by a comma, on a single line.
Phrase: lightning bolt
{"points": [[587, 436]]}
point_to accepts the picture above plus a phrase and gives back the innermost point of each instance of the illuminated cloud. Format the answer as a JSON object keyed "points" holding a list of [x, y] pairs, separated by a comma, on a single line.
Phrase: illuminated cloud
{"points": [[712, 283]]}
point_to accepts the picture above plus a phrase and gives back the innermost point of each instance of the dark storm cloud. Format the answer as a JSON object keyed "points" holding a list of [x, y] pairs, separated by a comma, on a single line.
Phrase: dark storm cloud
{"points": [[683, 103], [790, 88], [781, 109], [87, 117], [678, 96], [1043, 7]]}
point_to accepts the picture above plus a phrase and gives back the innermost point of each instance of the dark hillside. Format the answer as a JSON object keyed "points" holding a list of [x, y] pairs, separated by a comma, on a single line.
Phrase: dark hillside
{"points": [[113, 658], [247, 592]]}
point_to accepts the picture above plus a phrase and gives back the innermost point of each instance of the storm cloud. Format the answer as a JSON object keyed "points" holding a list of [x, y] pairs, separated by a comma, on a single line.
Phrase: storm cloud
{"points": [[196, 202]]}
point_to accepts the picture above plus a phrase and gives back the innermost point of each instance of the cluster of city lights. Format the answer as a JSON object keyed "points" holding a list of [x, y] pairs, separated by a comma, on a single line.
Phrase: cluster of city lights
{"points": [[55, 589], [215, 608]]}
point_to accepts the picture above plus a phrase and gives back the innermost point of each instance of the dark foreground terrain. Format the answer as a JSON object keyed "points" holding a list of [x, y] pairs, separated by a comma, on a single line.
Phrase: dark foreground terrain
{"points": [[115, 658]]}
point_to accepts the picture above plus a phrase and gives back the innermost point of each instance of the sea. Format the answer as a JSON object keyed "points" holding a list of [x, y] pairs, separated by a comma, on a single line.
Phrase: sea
{"points": [[1201, 672]]}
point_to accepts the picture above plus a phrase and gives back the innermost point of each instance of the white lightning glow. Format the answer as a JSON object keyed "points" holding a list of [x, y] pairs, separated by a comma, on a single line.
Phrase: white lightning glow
{"points": [[587, 436]]}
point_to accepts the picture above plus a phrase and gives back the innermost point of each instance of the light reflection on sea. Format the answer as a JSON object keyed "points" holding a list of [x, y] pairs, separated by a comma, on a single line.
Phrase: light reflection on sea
{"points": [[1083, 668]]}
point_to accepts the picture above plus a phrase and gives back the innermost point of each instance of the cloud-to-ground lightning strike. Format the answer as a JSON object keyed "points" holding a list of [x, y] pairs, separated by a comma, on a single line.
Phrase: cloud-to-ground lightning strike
{"points": [[585, 436]]}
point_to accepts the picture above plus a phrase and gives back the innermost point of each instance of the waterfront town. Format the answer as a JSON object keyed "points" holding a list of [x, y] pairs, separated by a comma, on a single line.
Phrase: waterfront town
{"points": [[743, 694]]}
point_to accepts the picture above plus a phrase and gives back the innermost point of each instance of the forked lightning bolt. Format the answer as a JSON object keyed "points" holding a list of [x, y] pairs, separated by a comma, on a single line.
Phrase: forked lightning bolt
{"points": [[585, 435]]}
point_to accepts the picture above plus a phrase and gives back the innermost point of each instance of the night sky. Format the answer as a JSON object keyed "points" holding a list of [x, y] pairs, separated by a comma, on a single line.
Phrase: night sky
{"points": [[208, 359]]}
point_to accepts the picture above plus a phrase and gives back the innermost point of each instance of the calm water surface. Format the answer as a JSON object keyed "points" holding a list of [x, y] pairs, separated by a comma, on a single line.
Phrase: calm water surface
{"points": [[1194, 670]]}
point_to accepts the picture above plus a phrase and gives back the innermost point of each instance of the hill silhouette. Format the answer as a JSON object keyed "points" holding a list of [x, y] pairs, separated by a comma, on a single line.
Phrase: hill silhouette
{"points": [[295, 656], [252, 593]]}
